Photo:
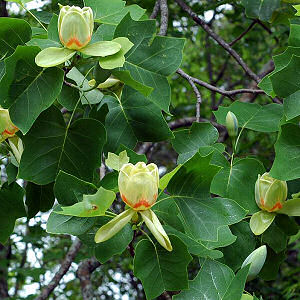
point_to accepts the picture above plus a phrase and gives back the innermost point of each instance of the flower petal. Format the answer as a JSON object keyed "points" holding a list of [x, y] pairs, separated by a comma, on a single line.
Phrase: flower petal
{"points": [[114, 226], [102, 48], [260, 221], [155, 227], [53, 56]]}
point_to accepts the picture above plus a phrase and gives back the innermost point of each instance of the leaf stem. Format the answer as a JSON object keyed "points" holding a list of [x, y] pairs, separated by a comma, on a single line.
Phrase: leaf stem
{"points": [[27, 10]]}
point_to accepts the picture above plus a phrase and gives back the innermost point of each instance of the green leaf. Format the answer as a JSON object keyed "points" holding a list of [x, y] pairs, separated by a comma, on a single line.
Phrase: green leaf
{"points": [[230, 181], [52, 56], [260, 9], [285, 82], [13, 32], [11, 208], [275, 238], [60, 224], [133, 156], [201, 215], [169, 268], [39, 198], [164, 181], [272, 264], [117, 60], [105, 250], [225, 238], [115, 245], [133, 118], [125, 76], [11, 172], [291, 106], [38, 89], [115, 161], [150, 62], [102, 48], [75, 149], [195, 247], [68, 97], [52, 39], [69, 189], [91, 97], [287, 148], [236, 253], [188, 141], [253, 116], [260, 221], [91, 206], [112, 11], [215, 281]]}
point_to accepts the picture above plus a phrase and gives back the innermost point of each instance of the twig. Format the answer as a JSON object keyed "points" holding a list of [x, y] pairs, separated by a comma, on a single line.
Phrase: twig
{"points": [[155, 10], [84, 271], [243, 33], [218, 90], [219, 40], [164, 17], [65, 265]]}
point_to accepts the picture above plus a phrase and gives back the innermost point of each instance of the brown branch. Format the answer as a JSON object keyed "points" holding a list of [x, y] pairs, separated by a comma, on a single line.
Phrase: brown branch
{"points": [[155, 10], [164, 17], [196, 91], [228, 94], [243, 33], [3, 9], [219, 40], [65, 266], [84, 271]]}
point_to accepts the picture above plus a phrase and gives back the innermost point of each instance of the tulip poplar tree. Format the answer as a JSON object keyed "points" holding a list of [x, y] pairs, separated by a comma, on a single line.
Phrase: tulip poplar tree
{"points": [[86, 94]]}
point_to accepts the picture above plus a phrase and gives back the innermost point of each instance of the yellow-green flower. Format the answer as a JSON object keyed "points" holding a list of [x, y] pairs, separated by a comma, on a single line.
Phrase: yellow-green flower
{"points": [[75, 26], [138, 185], [7, 128], [270, 193]]}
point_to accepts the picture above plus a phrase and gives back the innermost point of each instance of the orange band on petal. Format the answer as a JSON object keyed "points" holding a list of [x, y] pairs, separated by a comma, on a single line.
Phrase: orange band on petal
{"points": [[75, 41], [142, 202], [277, 206]]}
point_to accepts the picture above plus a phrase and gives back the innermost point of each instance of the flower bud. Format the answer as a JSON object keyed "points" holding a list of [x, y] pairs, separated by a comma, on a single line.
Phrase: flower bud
{"points": [[7, 128], [270, 193], [138, 185], [75, 26], [232, 124], [257, 260]]}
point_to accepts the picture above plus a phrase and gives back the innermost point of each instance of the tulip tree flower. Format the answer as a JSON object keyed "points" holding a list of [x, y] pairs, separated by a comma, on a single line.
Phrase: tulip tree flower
{"points": [[138, 185], [75, 28], [7, 128], [270, 196]]}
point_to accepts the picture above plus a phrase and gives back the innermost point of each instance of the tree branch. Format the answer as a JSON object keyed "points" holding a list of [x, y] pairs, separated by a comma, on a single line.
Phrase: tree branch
{"points": [[243, 33], [196, 91], [3, 9], [164, 17], [219, 40], [228, 94], [155, 10], [84, 271], [65, 265]]}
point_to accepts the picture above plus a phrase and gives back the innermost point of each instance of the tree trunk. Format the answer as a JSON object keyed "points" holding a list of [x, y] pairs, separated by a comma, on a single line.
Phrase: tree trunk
{"points": [[3, 272]]}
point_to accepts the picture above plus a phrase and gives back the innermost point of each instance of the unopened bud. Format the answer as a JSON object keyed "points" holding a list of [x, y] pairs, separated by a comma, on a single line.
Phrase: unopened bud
{"points": [[256, 260], [232, 124]]}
